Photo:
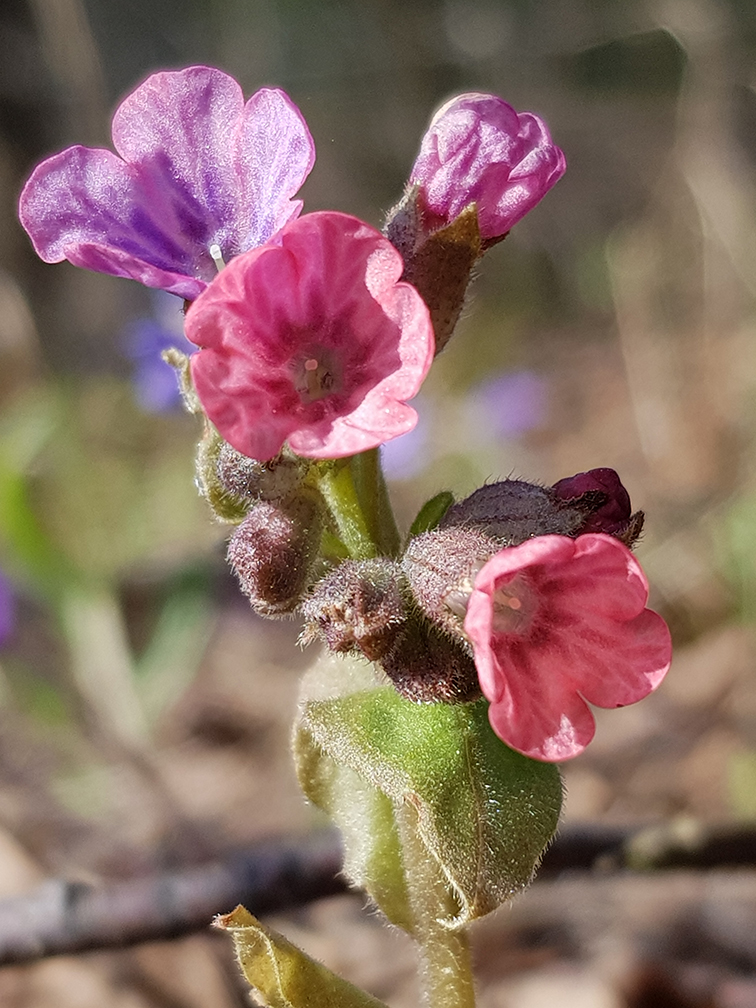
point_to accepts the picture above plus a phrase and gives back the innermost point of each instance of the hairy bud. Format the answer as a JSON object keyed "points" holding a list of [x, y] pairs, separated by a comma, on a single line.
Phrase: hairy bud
{"points": [[513, 511], [230, 482], [427, 665], [359, 606], [440, 567], [366, 607], [273, 552]]}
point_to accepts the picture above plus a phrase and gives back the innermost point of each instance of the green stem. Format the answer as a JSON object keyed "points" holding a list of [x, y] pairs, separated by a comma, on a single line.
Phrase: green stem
{"points": [[370, 485], [446, 972], [101, 663], [336, 484]]}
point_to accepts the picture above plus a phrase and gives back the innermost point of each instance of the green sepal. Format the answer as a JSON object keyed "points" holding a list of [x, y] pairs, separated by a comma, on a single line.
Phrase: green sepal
{"points": [[365, 817], [485, 812], [281, 975], [431, 513], [226, 506]]}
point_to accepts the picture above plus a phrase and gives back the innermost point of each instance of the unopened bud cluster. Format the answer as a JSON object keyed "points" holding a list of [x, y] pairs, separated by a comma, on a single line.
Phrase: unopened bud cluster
{"points": [[407, 615]]}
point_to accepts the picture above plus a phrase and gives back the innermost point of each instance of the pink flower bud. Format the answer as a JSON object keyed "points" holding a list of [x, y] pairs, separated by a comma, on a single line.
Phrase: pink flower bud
{"points": [[479, 150]]}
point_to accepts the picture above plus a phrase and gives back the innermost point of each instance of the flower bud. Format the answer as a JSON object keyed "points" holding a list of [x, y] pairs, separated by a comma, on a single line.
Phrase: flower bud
{"points": [[605, 504], [441, 566], [359, 606], [440, 264], [273, 552], [512, 511], [366, 607], [247, 478], [230, 481], [427, 665], [478, 150]]}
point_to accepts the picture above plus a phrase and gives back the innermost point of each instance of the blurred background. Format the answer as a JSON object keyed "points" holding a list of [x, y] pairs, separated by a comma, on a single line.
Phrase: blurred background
{"points": [[144, 710]]}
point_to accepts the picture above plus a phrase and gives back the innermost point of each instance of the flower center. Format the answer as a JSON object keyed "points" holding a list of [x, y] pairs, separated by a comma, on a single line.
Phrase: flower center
{"points": [[316, 376], [514, 606]]}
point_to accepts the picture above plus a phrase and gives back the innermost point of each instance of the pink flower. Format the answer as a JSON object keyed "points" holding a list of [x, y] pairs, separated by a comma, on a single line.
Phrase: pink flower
{"points": [[311, 341], [201, 177], [479, 150], [556, 622]]}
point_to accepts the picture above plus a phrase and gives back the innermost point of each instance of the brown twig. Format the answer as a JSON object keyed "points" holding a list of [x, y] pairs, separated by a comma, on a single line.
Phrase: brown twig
{"points": [[63, 917]]}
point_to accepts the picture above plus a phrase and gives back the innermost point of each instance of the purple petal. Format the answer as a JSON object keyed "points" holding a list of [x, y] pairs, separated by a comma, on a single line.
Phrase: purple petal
{"points": [[200, 168], [89, 207], [508, 405]]}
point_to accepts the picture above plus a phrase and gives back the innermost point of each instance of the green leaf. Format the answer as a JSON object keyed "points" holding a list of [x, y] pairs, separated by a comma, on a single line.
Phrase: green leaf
{"points": [[25, 430], [282, 975], [431, 513], [485, 812]]}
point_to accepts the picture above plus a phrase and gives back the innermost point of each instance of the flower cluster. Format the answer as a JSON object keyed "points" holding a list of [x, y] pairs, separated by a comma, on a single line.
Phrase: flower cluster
{"points": [[312, 333]]}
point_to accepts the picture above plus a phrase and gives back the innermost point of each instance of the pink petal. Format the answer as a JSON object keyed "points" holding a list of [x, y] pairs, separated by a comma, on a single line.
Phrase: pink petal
{"points": [[330, 289], [587, 636], [542, 719]]}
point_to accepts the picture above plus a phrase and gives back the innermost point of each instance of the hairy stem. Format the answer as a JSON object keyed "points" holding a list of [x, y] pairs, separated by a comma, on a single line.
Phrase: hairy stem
{"points": [[336, 484], [445, 973], [373, 495]]}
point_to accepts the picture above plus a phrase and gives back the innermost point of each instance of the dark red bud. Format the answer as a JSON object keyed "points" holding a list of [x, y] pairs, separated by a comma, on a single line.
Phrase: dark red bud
{"points": [[604, 501]]}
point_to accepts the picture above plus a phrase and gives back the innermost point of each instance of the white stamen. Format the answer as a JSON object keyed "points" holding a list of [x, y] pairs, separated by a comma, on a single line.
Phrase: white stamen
{"points": [[217, 255]]}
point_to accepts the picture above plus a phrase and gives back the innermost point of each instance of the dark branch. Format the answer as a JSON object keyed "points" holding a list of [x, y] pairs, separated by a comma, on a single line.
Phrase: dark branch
{"points": [[63, 917]]}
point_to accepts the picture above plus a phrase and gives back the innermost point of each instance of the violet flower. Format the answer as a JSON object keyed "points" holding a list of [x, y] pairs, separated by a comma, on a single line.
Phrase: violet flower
{"points": [[154, 380], [556, 622], [508, 405], [7, 609], [201, 178], [311, 340], [477, 149]]}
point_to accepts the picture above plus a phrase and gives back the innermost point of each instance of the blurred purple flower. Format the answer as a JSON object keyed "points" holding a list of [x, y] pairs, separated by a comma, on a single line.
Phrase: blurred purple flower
{"points": [[155, 383], [409, 454], [7, 608], [508, 405], [201, 177]]}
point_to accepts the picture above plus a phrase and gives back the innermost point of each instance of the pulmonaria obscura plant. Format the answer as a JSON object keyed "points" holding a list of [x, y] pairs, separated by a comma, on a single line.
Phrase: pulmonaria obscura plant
{"points": [[460, 660]]}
